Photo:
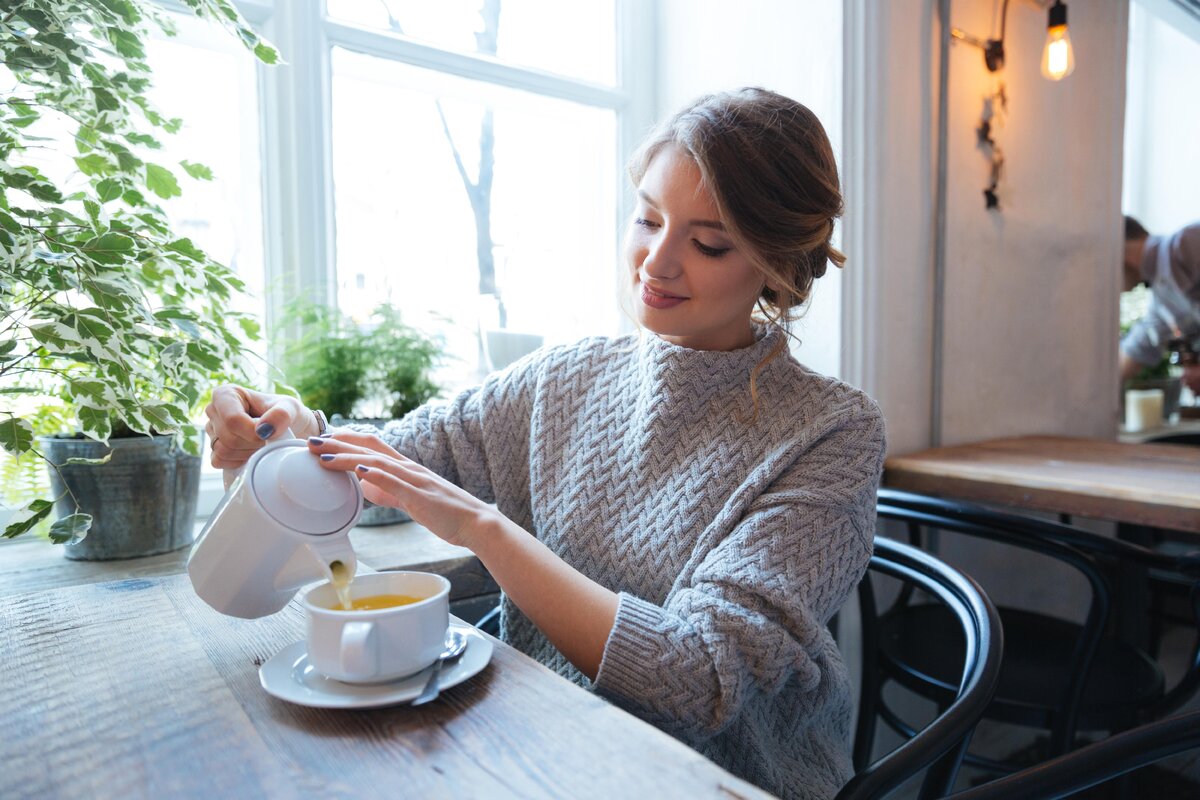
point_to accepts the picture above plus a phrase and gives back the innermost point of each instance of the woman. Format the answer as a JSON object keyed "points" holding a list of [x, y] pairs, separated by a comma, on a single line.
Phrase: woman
{"points": [[677, 515]]}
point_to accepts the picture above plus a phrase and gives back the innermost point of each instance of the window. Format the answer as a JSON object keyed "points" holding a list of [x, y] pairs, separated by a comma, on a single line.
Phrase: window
{"points": [[349, 175], [408, 222], [219, 108], [375, 133]]}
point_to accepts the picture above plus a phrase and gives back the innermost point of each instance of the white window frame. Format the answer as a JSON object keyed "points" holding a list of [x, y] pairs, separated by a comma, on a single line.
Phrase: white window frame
{"points": [[295, 125]]}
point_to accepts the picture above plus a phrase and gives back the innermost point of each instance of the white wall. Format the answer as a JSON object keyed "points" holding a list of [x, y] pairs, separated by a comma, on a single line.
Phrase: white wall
{"points": [[788, 46], [1162, 126], [1031, 291]]}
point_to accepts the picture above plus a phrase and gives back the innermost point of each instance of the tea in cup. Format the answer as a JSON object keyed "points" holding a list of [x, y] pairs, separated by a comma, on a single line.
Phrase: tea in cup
{"points": [[396, 626]]}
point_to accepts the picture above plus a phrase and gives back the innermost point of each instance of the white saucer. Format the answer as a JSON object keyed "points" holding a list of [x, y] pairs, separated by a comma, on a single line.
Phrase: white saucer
{"points": [[288, 676]]}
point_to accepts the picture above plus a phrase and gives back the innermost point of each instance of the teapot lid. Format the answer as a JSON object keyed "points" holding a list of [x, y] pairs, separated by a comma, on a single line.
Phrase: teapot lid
{"points": [[300, 495]]}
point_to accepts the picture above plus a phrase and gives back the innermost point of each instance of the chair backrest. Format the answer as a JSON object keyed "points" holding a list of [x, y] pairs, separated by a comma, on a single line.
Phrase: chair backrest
{"points": [[1095, 763], [1088, 553], [941, 744]]}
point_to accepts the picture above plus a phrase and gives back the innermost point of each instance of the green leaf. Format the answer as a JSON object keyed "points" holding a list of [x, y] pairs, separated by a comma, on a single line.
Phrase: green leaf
{"points": [[127, 44], [27, 518], [161, 181], [105, 101], [71, 528], [186, 248], [94, 164], [250, 327], [159, 416], [111, 248], [108, 190], [93, 323], [93, 210], [266, 53], [111, 292], [197, 171], [9, 224], [16, 435], [54, 335], [95, 423]]}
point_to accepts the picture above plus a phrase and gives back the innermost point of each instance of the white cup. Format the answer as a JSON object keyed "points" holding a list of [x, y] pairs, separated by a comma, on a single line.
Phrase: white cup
{"points": [[1143, 409], [381, 644]]}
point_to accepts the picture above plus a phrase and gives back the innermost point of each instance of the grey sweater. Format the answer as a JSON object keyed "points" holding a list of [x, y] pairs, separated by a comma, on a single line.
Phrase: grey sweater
{"points": [[731, 538]]}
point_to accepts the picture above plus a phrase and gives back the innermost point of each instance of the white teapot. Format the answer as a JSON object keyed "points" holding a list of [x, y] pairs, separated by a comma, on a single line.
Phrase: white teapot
{"points": [[282, 523]]}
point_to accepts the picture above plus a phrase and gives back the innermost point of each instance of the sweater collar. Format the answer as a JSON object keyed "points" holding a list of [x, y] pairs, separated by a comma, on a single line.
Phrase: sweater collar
{"points": [[720, 367]]}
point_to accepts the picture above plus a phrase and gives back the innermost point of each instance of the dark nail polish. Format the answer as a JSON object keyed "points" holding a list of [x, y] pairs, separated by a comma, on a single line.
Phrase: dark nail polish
{"points": [[326, 435], [265, 430], [363, 468], [316, 440], [326, 457]]}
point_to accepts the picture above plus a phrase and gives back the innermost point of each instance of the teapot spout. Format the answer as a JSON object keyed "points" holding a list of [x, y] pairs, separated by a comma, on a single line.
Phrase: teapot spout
{"points": [[312, 563]]}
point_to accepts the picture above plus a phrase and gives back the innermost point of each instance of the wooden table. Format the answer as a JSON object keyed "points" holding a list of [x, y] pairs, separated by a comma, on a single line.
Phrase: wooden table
{"points": [[29, 564], [135, 688], [1144, 484]]}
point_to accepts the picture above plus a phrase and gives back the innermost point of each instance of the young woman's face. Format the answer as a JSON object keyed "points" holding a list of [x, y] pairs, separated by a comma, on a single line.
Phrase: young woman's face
{"points": [[691, 286]]}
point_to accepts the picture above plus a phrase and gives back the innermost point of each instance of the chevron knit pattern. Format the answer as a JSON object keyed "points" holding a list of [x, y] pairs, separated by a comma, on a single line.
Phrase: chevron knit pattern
{"points": [[732, 538]]}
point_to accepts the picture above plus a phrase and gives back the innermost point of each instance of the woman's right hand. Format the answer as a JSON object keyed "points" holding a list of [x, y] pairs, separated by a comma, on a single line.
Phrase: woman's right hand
{"points": [[241, 420]]}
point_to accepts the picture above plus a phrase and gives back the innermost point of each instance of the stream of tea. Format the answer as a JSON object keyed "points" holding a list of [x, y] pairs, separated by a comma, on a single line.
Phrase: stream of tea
{"points": [[341, 579]]}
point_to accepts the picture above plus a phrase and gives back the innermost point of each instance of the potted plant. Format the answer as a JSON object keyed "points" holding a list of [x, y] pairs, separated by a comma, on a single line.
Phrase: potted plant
{"points": [[111, 325], [361, 374]]}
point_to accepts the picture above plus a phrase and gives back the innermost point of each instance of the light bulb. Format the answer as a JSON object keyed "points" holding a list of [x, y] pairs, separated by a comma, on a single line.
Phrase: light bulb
{"points": [[1058, 58]]}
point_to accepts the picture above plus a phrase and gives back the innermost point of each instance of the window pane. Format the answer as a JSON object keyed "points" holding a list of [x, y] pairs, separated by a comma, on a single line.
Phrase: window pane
{"points": [[205, 77], [569, 38], [406, 229]]}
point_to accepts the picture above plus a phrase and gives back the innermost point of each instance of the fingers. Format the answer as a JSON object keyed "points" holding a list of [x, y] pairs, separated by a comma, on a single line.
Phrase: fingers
{"points": [[241, 420], [228, 412], [278, 417], [367, 442]]}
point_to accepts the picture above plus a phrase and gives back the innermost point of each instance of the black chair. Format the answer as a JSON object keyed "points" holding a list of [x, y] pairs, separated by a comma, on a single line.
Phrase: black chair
{"points": [[1057, 675], [1167, 595], [972, 619], [1094, 764]]}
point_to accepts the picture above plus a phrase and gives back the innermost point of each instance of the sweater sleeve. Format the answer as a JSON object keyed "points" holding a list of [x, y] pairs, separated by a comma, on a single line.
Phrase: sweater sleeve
{"points": [[752, 617], [457, 438]]}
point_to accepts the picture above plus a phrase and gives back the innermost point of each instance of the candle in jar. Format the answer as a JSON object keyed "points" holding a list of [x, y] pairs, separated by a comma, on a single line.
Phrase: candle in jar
{"points": [[1143, 409]]}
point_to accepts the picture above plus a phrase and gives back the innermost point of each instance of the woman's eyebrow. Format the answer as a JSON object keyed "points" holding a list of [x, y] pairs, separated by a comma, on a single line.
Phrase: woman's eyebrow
{"points": [[695, 223]]}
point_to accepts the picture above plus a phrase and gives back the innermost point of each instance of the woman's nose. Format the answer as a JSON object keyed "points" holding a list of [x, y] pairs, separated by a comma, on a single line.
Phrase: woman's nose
{"points": [[661, 259]]}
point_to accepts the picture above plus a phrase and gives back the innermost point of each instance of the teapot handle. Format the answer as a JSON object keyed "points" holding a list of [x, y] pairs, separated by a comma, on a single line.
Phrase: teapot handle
{"points": [[231, 474]]}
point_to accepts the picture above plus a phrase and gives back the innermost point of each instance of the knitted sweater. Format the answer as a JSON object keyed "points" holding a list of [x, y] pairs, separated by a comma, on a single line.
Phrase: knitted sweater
{"points": [[731, 538]]}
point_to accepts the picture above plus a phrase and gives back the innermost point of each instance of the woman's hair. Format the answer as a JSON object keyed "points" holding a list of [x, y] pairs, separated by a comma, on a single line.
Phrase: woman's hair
{"points": [[769, 166]]}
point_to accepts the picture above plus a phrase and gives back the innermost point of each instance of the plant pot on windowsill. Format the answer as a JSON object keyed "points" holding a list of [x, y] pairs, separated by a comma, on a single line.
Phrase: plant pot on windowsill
{"points": [[142, 500], [372, 514]]}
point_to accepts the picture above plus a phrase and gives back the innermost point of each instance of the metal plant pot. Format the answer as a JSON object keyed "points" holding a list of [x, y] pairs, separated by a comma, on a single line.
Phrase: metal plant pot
{"points": [[142, 502]]}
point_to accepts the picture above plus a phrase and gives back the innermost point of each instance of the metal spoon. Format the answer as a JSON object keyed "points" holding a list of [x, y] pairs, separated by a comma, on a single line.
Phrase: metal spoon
{"points": [[456, 643]]}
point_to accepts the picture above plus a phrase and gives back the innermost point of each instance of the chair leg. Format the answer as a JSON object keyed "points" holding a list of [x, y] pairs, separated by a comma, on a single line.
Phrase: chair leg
{"points": [[868, 709]]}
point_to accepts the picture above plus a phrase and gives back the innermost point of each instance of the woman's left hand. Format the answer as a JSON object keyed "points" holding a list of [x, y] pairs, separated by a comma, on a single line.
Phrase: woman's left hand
{"points": [[392, 479]]}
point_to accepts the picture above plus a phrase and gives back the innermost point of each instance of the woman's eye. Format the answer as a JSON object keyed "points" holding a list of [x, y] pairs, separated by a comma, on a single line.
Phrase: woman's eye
{"points": [[711, 252], [645, 223]]}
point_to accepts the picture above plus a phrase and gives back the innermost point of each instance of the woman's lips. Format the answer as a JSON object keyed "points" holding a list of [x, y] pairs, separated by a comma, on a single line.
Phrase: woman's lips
{"points": [[659, 300]]}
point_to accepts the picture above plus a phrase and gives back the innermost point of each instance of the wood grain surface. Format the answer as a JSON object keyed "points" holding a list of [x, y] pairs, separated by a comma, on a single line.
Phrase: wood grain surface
{"points": [[1146, 484], [135, 688]]}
